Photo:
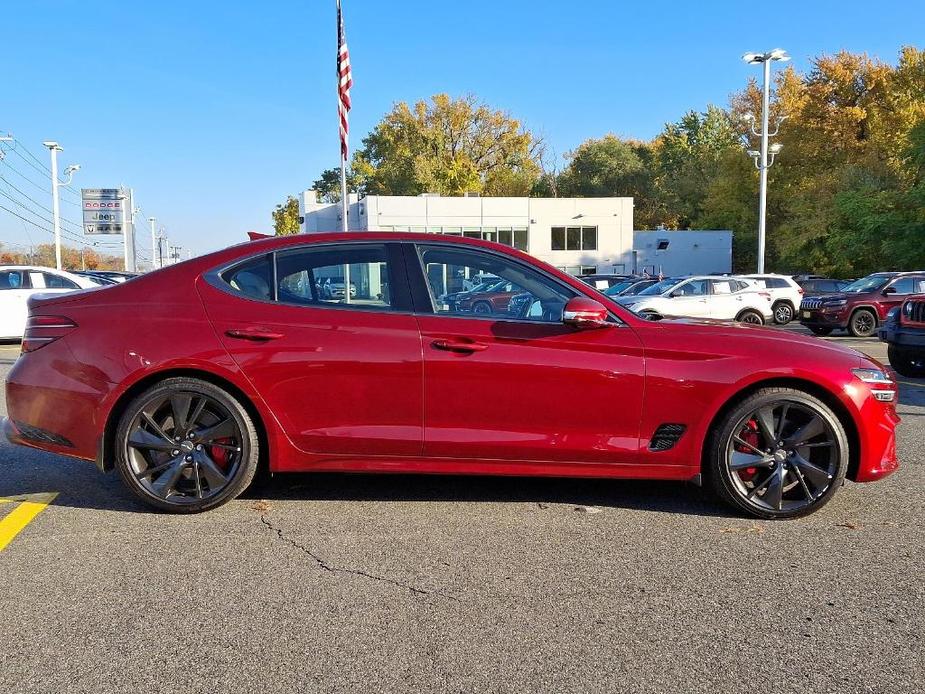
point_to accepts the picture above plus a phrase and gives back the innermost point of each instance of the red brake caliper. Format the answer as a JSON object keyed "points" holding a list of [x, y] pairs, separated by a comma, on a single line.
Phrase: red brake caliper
{"points": [[750, 436], [220, 455]]}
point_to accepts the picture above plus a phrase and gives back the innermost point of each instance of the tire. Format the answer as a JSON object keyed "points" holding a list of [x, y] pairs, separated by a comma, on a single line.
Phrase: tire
{"points": [[483, 308], [806, 479], [783, 312], [751, 317], [821, 332], [198, 440], [906, 361], [863, 323]]}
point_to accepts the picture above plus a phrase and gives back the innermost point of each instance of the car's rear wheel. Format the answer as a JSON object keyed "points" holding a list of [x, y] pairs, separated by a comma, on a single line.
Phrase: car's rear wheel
{"points": [[186, 445], [783, 312], [907, 362], [821, 332], [780, 453], [482, 308], [751, 317], [863, 323]]}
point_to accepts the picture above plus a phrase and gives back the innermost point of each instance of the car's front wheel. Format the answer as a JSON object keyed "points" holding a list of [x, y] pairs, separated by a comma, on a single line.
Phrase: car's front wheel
{"points": [[186, 445], [779, 453], [907, 362], [863, 323]]}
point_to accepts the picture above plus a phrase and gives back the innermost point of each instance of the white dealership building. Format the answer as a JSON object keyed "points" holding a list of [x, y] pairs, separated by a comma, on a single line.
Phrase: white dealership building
{"points": [[579, 235]]}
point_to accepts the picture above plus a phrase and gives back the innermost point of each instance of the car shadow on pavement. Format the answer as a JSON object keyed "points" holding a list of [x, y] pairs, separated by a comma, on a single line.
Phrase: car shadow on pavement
{"points": [[80, 485]]}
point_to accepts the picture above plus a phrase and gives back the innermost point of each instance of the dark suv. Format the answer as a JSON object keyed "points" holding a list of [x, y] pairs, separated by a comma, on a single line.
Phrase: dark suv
{"points": [[863, 304], [904, 332]]}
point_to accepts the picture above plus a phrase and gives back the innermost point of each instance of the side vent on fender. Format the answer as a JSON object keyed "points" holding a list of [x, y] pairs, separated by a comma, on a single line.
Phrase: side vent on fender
{"points": [[666, 436]]}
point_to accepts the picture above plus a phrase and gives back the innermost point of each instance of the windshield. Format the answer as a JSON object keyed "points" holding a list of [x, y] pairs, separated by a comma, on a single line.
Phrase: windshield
{"points": [[659, 287], [619, 287], [866, 284]]}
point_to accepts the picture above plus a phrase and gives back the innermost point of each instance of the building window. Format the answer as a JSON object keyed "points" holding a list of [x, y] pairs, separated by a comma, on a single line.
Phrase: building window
{"points": [[588, 270], [574, 239]]}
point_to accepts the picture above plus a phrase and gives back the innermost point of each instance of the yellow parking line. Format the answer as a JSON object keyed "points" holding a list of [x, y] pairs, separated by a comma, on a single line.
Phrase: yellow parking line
{"points": [[28, 507]]}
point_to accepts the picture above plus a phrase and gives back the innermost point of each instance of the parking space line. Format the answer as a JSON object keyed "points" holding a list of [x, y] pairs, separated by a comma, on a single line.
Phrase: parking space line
{"points": [[28, 506]]}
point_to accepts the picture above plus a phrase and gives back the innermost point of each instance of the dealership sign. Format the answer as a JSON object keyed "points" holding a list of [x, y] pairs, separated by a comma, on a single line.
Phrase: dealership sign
{"points": [[104, 210]]}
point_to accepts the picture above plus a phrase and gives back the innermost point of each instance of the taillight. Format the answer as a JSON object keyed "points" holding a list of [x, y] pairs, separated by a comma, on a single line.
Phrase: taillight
{"points": [[765, 295], [42, 330], [801, 291]]}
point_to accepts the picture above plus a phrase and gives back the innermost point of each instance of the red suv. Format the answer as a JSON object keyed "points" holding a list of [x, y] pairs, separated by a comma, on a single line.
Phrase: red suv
{"points": [[862, 306]]}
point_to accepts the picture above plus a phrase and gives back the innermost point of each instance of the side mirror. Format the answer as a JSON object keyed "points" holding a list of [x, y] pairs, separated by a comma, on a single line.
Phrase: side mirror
{"points": [[889, 290], [674, 294], [585, 314]]}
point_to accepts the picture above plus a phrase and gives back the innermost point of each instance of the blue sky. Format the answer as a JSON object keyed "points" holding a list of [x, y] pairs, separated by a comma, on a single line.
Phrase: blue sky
{"points": [[215, 111]]}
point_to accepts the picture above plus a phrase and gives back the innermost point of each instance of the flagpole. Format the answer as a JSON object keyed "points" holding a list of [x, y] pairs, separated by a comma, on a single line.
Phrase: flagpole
{"points": [[343, 192]]}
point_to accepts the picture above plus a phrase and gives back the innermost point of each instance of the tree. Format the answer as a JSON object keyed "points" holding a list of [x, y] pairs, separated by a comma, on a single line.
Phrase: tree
{"points": [[286, 217], [447, 146]]}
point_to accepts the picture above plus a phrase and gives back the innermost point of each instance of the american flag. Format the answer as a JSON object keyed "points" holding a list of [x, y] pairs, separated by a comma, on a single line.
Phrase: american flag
{"points": [[344, 82]]}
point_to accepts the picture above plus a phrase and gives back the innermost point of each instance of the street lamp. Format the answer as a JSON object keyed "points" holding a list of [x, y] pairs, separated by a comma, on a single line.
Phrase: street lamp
{"points": [[761, 156], [69, 172]]}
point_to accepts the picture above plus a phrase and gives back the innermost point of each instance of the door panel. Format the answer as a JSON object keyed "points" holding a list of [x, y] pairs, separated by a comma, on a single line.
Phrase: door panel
{"points": [[531, 391], [14, 294], [521, 387], [342, 375]]}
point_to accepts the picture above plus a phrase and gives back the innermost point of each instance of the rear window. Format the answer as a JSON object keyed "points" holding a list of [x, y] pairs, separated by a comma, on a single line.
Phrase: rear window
{"points": [[58, 282], [14, 279], [776, 283]]}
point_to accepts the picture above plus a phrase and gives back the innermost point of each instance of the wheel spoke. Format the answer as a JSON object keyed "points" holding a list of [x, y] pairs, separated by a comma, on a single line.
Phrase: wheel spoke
{"points": [[773, 495], [799, 475], [212, 472], [154, 470], [164, 484], [741, 461], [197, 412], [765, 418], [808, 431], [180, 405], [198, 480], [819, 477], [145, 440], [742, 442], [225, 446], [155, 426], [782, 422], [224, 429], [761, 485]]}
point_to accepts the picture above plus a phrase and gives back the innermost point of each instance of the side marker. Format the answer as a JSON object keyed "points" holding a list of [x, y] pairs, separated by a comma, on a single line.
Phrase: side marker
{"points": [[27, 507]]}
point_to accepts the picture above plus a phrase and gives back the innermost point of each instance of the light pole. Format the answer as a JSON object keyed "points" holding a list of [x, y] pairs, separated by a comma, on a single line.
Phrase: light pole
{"points": [[154, 243], [54, 148], [761, 156]]}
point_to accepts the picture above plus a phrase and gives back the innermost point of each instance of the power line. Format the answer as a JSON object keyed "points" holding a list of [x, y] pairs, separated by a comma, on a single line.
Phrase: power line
{"points": [[36, 202]]}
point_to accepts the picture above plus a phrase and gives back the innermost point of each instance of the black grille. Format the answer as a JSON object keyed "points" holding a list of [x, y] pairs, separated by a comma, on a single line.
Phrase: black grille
{"points": [[666, 436], [917, 313], [40, 435]]}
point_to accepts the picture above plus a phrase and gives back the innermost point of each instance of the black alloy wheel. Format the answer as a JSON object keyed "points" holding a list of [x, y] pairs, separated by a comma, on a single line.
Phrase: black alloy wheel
{"points": [[186, 445], [863, 323], [781, 453], [750, 317], [482, 308], [907, 361]]}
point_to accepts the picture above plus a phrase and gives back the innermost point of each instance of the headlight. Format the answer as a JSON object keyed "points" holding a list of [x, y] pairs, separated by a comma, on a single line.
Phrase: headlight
{"points": [[835, 302], [907, 309], [881, 385]]}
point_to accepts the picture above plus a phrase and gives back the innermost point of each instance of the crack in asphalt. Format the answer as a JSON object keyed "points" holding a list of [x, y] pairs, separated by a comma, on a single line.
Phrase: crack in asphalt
{"points": [[355, 572]]}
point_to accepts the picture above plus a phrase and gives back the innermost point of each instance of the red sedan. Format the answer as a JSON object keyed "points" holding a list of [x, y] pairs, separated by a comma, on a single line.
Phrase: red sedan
{"points": [[189, 379]]}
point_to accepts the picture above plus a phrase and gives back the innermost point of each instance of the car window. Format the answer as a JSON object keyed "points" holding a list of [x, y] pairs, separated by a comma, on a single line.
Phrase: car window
{"points": [[904, 285], [776, 283], [349, 276], [724, 286], [53, 281], [253, 278], [14, 279], [692, 288], [523, 293]]}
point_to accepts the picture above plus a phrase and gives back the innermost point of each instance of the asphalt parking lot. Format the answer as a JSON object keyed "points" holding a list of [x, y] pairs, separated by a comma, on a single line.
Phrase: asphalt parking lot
{"points": [[346, 584]]}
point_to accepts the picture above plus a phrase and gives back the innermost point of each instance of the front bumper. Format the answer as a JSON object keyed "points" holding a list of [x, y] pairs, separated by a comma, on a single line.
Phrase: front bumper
{"points": [[904, 336], [817, 318]]}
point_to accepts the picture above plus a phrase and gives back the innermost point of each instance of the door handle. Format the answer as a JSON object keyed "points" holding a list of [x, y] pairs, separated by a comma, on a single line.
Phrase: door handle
{"points": [[254, 334], [454, 346]]}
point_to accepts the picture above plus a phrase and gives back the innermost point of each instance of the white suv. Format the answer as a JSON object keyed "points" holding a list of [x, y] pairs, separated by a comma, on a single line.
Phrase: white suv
{"points": [[19, 282], [786, 295], [725, 298]]}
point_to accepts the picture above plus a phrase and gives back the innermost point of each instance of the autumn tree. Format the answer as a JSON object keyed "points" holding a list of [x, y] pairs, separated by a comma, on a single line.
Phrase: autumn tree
{"points": [[447, 146], [286, 217]]}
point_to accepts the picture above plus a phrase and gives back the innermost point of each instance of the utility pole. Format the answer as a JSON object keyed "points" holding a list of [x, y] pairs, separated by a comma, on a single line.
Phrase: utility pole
{"points": [[155, 246], [128, 234], [761, 157], [54, 149]]}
